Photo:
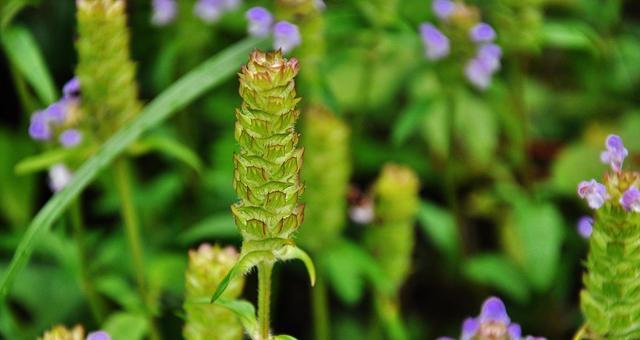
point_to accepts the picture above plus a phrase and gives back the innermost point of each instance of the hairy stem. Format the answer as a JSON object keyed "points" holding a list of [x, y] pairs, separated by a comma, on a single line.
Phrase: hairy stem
{"points": [[264, 299], [132, 229], [96, 304]]}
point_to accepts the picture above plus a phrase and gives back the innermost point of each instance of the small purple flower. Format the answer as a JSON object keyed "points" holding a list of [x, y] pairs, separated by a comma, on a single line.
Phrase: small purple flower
{"points": [[594, 192], [260, 21], [630, 200], [164, 12], [489, 55], [56, 113], [209, 10], [436, 44], [39, 128], [98, 335], [494, 310], [493, 322], [482, 33], [585, 226], [286, 36], [478, 73], [443, 8], [615, 154], [469, 328], [71, 89], [70, 138], [59, 177]]}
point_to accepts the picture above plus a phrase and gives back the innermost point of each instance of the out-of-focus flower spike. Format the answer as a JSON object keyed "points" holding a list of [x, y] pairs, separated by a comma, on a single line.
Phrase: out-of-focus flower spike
{"points": [[71, 89], [39, 128], [436, 44], [482, 33], [478, 73], [489, 55], [63, 333], [615, 153], [260, 21], [585, 226], [70, 138], [286, 36], [594, 192], [164, 12]]}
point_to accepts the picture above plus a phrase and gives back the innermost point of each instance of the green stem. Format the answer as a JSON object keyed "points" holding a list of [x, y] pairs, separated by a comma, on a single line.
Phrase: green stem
{"points": [[132, 229], [96, 304], [389, 314], [321, 319], [264, 299]]}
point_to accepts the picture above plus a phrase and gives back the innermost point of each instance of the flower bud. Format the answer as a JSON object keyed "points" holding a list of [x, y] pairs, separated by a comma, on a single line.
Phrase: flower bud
{"points": [[207, 267]]}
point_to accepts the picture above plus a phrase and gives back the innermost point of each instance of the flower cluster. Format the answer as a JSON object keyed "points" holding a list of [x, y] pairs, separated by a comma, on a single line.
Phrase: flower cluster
{"points": [[484, 59], [492, 323], [286, 36], [59, 120], [209, 11], [597, 194], [76, 333]]}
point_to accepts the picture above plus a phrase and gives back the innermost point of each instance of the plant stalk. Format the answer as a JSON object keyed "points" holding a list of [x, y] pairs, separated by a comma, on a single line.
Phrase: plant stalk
{"points": [[321, 319], [264, 299], [96, 304], [132, 229]]}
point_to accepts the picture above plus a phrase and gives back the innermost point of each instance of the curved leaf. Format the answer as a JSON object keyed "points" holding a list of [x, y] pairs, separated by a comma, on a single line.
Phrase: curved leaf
{"points": [[184, 91], [244, 264], [245, 311], [293, 253]]}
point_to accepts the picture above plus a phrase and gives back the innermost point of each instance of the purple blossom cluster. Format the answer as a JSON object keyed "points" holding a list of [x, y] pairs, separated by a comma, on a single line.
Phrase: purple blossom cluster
{"points": [[44, 124], [98, 335], [492, 323], [165, 12], [480, 69], [596, 193], [286, 36]]}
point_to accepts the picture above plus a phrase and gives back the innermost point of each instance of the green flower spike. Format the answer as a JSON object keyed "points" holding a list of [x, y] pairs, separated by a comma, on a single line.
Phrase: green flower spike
{"points": [[610, 300], [267, 174], [390, 239], [326, 174], [206, 269], [105, 69]]}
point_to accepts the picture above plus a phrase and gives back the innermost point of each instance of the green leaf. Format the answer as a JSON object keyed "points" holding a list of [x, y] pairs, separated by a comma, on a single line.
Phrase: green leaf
{"points": [[212, 227], [168, 146], [569, 35], [476, 129], [284, 337], [434, 128], [10, 9], [534, 235], [126, 326], [212, 72], [45, 160], [295, 253], [24, 53], [245, 311], [497, 271], [574, 164], [440, 227], [409, 122]]}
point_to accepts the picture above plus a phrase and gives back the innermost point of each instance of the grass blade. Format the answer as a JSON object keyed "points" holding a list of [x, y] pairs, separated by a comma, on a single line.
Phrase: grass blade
{"points": [[212, 72]]}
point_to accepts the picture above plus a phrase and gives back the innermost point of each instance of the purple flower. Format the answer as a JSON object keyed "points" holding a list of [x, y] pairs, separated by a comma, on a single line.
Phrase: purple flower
{"points": [[585, 226], [493, 322], [286, 36], [489, 55], [436, 44], [59, 177], [630, 200], [209, 10], [164, 12], [615, 154], [478, 73], [98, 335], [56, 113], [443, 8], [39, 128], [260, 21], [482, 33], [70, 138], [71, 89], [594, 192]]}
